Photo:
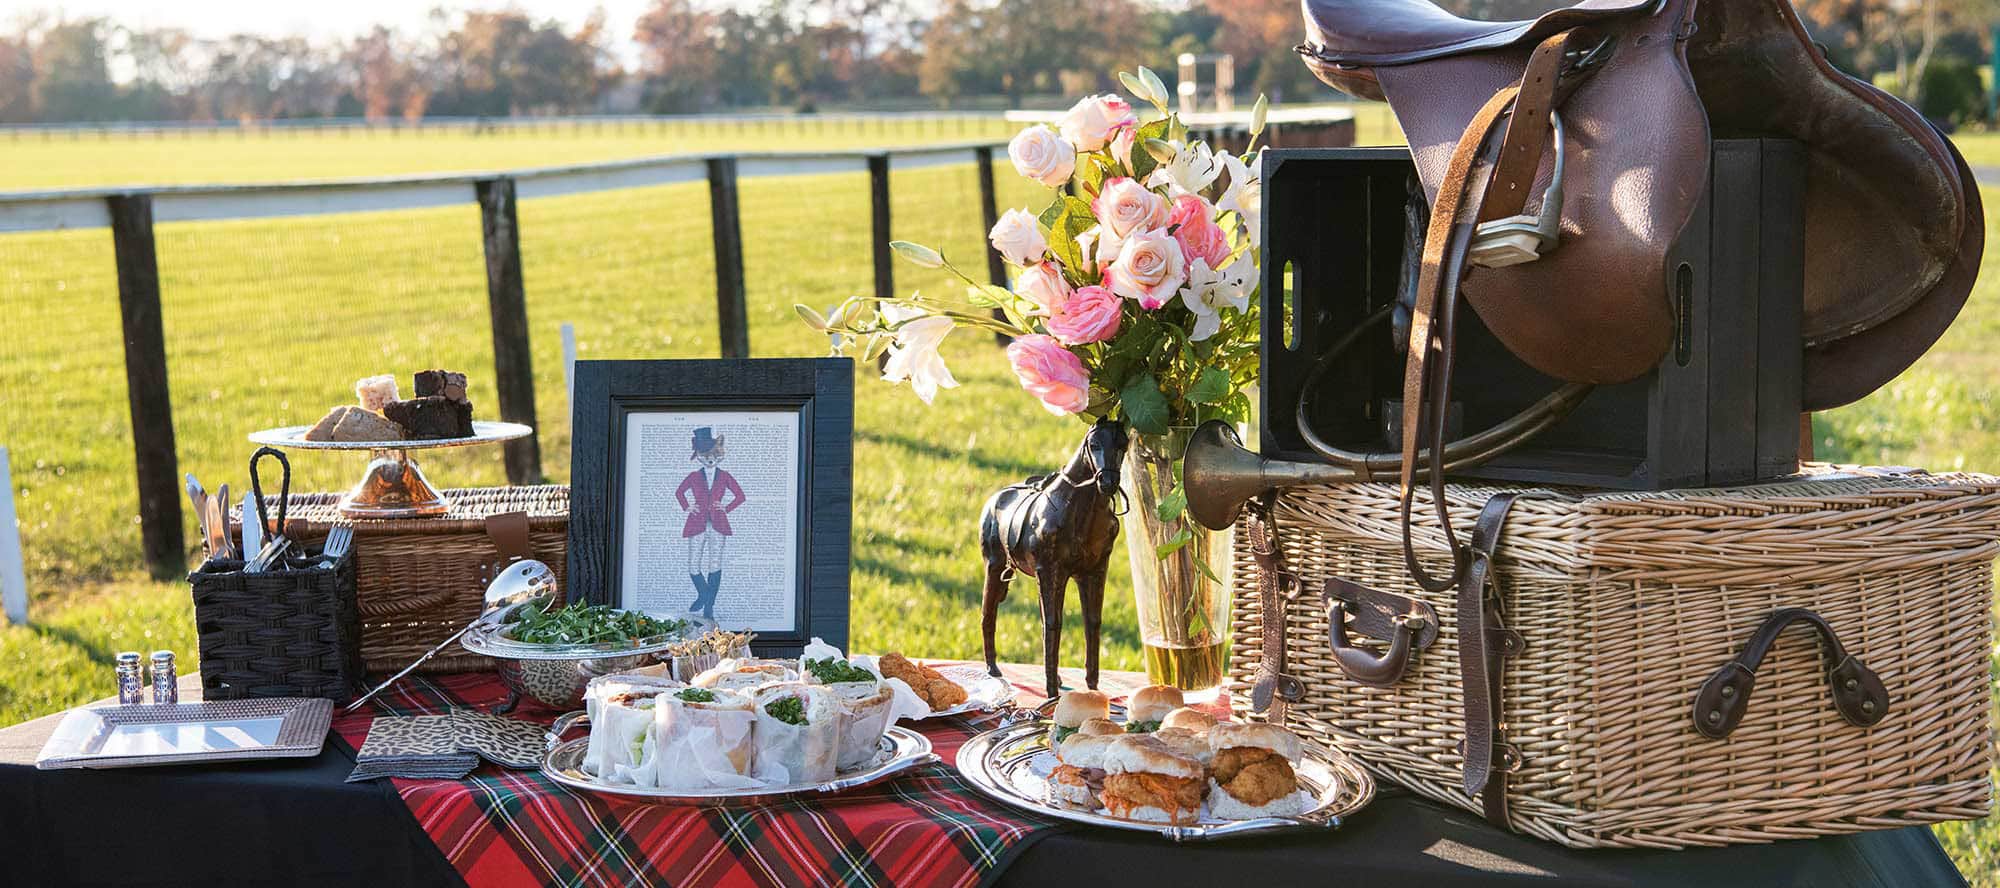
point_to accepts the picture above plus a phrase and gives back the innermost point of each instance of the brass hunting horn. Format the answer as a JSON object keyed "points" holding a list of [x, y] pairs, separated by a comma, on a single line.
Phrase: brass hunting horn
{"points": [[1221, 474]]}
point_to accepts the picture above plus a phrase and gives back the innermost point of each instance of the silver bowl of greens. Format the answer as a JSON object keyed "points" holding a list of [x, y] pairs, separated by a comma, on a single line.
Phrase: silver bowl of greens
{"points": [[550, 655]]}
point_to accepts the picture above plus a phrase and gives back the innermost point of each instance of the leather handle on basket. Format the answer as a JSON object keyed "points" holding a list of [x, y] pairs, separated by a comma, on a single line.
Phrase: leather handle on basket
{"points": [[509, 532], [1858, 693], [1367, 667]]}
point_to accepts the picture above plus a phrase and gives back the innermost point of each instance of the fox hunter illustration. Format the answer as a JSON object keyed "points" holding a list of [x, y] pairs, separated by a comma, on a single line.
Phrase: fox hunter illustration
{"points": [[708, 494]]}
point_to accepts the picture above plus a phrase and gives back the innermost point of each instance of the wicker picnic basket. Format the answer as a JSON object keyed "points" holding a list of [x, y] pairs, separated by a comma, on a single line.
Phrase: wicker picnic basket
{"points": [[417, 580], [1610, 613]]}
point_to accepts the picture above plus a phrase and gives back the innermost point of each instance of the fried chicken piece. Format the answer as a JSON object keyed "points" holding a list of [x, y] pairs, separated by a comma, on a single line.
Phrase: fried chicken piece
{"points": [[1179, 796], [1254, 776], [940, 692]]}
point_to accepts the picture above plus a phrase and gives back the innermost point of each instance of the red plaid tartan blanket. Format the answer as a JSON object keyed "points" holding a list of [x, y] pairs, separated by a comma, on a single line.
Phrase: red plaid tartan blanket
{"points": [[503, 828]]}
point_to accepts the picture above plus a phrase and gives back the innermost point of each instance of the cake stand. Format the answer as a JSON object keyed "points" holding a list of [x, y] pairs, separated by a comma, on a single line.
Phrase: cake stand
{"points": [[394, 486]]}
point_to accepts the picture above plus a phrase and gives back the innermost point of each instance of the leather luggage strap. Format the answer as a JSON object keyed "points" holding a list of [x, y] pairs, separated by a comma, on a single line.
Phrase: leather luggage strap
{"points": [[1427, 367], [509, 533], [1274, 691], [1484, 644]]}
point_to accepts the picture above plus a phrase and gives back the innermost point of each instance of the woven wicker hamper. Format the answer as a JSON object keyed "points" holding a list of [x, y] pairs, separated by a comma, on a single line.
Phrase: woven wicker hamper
{"points": [[417, 580], [1627, 604]]}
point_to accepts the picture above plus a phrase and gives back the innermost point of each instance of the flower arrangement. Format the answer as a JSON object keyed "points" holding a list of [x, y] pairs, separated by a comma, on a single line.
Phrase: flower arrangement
{"points": [[1132, 300], [1133, 295]]}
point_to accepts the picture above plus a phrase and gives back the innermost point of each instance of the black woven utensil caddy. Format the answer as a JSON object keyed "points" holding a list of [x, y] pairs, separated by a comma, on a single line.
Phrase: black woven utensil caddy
{"points": [[281, 633]]}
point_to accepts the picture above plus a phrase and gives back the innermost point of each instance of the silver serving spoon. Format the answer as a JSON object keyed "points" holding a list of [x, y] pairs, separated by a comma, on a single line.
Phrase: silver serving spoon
{"points": [[523, 583]]}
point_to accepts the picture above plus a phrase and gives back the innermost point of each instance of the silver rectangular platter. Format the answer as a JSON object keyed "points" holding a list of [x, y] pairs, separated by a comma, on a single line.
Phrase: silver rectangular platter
{"points": [[1011, 764], [188, 733], [901, 750]]}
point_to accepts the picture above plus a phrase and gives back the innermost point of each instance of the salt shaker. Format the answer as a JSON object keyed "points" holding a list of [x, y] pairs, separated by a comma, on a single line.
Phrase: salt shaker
{"points": [[166, 684], [131, 679]]}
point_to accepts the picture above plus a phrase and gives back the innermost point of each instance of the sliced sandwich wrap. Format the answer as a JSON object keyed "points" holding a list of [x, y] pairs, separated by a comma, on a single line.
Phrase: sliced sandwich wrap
{"points": [[797, 742], [706, 739]]}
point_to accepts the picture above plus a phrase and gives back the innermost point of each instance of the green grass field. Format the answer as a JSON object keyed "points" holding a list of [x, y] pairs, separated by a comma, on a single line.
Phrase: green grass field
{"points": [[269, 321]]}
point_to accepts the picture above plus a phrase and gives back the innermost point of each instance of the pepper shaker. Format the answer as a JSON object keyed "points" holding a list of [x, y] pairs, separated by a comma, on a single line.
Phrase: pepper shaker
{"points": [[166, 684], [131, 679]]}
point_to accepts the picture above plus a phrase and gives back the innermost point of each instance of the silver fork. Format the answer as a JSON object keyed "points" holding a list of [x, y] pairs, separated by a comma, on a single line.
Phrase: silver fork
{"points": [[337, 542]]}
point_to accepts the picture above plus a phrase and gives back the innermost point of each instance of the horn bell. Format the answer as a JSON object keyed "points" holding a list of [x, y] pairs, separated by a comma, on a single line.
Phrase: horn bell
{"points": [[1220, 474]]}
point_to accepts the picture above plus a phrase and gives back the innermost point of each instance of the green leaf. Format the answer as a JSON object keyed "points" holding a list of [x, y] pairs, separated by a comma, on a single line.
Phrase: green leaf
{"points": [[1053, 211], [812, 318], [918, 254], [980, 297], [1145, 408], [1174, 505], [1074, 219], [1211, 387], [1143, 163], [1174, 544]]}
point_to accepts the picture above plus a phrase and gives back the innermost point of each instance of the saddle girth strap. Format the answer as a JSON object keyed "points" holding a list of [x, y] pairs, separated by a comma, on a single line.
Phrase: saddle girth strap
{"points": [[1273, 692], [1427, 365], [1484, 645]]}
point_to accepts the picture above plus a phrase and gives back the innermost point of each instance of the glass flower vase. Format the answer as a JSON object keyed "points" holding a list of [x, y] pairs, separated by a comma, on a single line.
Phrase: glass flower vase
{"points": [[1180, 572]]}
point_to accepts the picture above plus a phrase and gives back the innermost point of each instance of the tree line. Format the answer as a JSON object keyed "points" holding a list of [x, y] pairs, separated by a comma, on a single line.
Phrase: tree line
{"points": [[712, 55]]}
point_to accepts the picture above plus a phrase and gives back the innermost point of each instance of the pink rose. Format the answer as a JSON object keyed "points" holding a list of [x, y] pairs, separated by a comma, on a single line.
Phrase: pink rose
{"points": [[1122, 140], [1090, 122], [1149, 268], [1125, 206], [1039, 154], [1042, 284], [1090, 315], [1193, 224], [1050, 372]]}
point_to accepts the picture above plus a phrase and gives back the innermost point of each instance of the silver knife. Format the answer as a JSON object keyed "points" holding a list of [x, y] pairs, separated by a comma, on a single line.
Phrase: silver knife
{"points": [[253, 527]]}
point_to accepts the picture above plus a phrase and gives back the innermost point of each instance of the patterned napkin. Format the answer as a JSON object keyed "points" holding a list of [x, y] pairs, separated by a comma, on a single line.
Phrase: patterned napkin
{"points": [[508, 742], [419, 746]]}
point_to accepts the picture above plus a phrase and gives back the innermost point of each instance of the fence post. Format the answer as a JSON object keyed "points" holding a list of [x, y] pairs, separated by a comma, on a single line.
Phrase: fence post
{"points": [[13, 568], [989, 214], [878, 198], [507, 303], [732, 316], [146, 384]]}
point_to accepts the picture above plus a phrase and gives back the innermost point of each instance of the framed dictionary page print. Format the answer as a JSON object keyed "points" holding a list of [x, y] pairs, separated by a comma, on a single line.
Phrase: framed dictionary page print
{"points": [[719, 488]]}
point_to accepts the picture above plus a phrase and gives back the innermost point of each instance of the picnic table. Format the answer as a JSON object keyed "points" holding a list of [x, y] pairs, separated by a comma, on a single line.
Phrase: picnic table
{"points": [[297, 822]]}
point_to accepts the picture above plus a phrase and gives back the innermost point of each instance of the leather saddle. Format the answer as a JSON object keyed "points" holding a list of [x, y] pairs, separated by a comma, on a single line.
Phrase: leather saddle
{"points": [[1563, 156]]}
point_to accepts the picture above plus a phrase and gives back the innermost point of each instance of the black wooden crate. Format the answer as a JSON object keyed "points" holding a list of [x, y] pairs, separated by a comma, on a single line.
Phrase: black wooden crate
{"points": [[1721, 408]]}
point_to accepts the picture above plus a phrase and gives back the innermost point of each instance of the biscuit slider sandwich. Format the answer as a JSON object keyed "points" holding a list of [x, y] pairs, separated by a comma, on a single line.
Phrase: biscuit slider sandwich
{"points": [[1145, 779], [1079, 779], [1072, 710], [1149, 706], [1252, 772]]}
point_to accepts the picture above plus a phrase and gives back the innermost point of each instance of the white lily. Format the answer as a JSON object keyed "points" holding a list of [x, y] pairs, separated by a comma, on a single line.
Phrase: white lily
{"points": [[1099, 246], [915, 356], [1211, 290], [1245, 194], [1193, 168]]}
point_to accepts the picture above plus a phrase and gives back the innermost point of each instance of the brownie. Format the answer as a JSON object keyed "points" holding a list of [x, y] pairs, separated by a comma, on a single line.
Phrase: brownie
{"points": [[440, 383], [432, 417]]}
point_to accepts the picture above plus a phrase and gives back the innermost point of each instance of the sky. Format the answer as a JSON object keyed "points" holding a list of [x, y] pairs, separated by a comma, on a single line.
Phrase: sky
{"points": [[321, 20]]}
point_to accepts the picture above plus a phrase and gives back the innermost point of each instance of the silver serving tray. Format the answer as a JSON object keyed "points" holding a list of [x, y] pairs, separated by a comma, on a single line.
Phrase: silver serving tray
{"points": [[483, 432], [902, 749], [1010, 764], [188, 733]]}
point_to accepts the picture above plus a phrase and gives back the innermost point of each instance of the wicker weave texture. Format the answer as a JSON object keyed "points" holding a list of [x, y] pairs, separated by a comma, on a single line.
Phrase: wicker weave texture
{"points": [[1627, 603], [417, 580], [276, 634]]}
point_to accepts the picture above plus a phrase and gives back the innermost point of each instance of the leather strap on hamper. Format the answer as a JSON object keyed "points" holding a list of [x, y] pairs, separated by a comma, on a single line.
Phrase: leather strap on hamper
{"points": [[509, 532], [1274, 691], [1484, 644], [1858, 693]]}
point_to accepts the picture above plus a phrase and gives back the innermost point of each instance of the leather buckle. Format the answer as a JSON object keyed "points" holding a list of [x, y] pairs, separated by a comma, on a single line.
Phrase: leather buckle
{"points": [[1290, 585], [1506, 757]]}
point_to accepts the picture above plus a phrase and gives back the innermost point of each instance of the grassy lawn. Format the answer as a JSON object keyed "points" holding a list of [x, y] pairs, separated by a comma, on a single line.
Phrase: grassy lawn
{"points": [[269, 321]]}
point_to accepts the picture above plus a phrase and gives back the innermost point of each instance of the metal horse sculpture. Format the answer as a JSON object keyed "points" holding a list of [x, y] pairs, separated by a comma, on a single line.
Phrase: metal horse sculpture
{"points": [[1056, 528]]}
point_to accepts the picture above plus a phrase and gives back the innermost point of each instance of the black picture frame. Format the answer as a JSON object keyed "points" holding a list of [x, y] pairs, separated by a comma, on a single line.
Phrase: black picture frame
{"points": [[820, 389]]}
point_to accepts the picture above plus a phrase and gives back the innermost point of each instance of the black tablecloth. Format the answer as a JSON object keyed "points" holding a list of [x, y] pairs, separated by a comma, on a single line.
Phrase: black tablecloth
{"points": [[297, 823]]}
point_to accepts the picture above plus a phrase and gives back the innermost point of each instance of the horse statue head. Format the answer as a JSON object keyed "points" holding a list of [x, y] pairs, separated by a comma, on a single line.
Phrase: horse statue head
{"points": [[1105, 447]]}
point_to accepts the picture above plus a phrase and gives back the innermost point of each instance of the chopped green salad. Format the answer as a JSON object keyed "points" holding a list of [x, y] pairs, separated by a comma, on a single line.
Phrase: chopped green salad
{"points": [[588, 624], [831, 670], [1141, 727], [1063, 733], [696, 695], [790, 710]]}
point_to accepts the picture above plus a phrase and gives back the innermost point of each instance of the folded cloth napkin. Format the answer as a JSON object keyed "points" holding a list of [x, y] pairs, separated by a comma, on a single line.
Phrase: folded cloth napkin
{"points": [[420, 746], [509, 742]]}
